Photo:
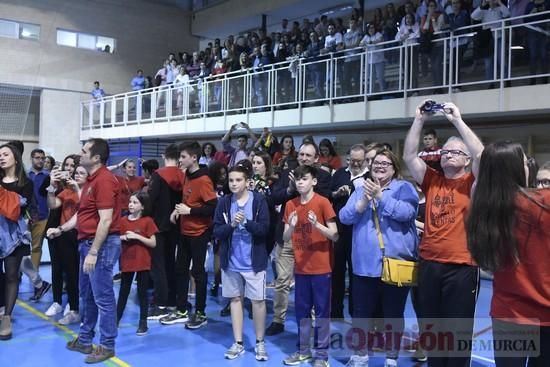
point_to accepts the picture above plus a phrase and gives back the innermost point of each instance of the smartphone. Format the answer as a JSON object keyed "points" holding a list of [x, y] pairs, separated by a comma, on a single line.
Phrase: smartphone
{"points": [[64, 175]]}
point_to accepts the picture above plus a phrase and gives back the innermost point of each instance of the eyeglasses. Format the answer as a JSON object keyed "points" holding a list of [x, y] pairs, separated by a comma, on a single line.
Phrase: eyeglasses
{"points": [[453, 152], [382, 164], [545, 184]]}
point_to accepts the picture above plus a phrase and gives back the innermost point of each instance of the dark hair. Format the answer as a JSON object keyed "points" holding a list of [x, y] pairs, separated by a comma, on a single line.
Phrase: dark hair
{"points": [[192, 148], [393, 158], [145, 201], [292, 148], [430, 132], [99, 147], [37, 150], [19, 166], [243, 136], [18, 144], [491, 221], [51, 160], [172, 151], [307, 139], [301, 171], [76, 161], [150, 165], [214, 150], [533, 169], [328, 144], [214, 169], [243, 166], [266, 158]]}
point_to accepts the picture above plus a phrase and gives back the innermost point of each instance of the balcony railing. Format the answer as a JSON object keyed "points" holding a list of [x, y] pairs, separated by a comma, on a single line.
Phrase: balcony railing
{"points": [[517, 46]]}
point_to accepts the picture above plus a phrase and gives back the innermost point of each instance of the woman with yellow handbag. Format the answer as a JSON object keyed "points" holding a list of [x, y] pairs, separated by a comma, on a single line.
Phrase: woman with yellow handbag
{"points": [[384, 250]]}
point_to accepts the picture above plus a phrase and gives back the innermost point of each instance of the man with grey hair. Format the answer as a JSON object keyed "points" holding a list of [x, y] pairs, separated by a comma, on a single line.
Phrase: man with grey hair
{"points": [[448, 280]]}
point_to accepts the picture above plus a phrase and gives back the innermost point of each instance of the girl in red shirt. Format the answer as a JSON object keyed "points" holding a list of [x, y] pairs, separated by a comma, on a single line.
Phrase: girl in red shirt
{"points": [[508, 234], [137, 233]]}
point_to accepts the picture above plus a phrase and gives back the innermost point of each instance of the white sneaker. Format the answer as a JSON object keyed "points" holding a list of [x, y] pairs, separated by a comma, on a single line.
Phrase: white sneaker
{"points": [[358, 361], [71, 318], [54, 309], [67, 310], [390, 362]]}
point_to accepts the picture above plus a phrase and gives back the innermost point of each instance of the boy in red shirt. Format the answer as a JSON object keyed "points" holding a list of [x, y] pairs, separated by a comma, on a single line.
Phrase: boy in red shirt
{"points": [[310, 225]]}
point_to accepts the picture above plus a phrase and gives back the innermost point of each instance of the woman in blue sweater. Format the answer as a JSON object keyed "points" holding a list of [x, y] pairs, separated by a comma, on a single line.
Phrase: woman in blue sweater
{"points": [[395, 203]]}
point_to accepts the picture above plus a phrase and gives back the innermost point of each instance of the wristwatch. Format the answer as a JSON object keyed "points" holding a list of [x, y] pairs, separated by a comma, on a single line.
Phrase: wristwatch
{"points": [[50, 189]]}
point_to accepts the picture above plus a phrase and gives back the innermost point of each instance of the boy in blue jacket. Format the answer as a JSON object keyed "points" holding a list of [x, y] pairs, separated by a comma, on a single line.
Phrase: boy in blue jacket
{"points": [[241, 222]]}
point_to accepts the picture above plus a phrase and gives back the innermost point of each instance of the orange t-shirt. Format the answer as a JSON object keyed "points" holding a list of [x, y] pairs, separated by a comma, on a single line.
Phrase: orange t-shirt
{"points": [[70, 200], [196, 192], [447, 203], [521, 293], [312, 250]]}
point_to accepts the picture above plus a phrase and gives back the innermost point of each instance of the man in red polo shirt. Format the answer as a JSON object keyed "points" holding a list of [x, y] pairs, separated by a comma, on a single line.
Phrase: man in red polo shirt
{"points": [[97, 223]]}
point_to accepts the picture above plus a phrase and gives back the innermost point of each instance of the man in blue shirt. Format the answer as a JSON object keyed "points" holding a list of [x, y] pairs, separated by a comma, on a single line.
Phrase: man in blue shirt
{"points": [[38, 175], [138, 82], [97, 94]]}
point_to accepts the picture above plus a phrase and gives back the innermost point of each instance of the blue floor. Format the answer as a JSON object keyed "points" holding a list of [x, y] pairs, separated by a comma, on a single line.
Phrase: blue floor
{"points": [[40, 341]]}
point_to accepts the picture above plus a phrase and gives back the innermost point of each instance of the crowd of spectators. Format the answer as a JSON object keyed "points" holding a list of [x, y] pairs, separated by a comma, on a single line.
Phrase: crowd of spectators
{"points": [[418, 22]]}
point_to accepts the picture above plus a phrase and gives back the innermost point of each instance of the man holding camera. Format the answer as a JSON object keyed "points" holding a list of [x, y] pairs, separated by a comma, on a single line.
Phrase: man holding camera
{"points": [[241, 152], [448, 280]]}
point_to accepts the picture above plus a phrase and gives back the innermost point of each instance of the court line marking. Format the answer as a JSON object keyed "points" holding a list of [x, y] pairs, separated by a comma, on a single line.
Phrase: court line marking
{"points": [[114, 360]]}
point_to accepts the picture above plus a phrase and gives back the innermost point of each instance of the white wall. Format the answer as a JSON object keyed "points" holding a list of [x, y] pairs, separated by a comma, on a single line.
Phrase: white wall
{"points": [[145, 33]]}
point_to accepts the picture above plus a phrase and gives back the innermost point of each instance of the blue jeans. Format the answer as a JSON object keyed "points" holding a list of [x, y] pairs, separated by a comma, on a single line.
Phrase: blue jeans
{"points": [[97, 294]]}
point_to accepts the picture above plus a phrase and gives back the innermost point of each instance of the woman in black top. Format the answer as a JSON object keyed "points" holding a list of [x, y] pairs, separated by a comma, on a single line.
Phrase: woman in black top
{"points": [[13, 178]]}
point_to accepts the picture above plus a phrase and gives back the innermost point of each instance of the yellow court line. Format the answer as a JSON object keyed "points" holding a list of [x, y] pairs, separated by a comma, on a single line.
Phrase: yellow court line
{"points": [[114, 360]]}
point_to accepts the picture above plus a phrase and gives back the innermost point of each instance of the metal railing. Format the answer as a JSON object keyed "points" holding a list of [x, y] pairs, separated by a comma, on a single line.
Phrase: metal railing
{"points": [[387, 70]]}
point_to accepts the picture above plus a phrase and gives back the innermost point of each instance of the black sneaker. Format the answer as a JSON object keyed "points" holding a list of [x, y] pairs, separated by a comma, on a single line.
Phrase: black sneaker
{"points": [[214, 289], [142, 328], [158, 313], [274, 329], [117, 277], [40, 292], [226, 311], [197, 321], [76, 346], [176, 317], [99, 355]]}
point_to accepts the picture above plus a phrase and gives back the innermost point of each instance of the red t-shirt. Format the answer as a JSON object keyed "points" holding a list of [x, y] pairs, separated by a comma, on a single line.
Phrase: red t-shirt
{"points": [[129, 185], [521, 293], [334, 162], [70, 199], [196, 192], [312, 250], [447, 203], [100, 192], [135, 256]]}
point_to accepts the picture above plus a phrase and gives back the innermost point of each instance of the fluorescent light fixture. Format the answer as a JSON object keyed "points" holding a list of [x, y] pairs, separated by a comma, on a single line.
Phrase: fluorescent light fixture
{"points": [[336, 8], [517, 48], [25, 33]]}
